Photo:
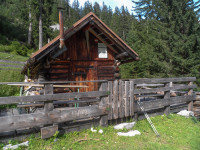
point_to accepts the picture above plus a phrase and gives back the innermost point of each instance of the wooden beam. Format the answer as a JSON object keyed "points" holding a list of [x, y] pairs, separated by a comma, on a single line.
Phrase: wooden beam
{"points": [[153, 90], [58, 52], [119, 56], [163, 80], [53, 82], [102, 40], [115, 99], [48, 90], [42, 85], [87, 41], [167, 96], [160, 103], [48, 132], [190, 92], [104, 101], [56, 116], [50, 97]]}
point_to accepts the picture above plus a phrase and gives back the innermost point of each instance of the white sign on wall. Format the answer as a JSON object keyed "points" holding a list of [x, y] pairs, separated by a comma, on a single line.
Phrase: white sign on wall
{"points": [[102, 51]]}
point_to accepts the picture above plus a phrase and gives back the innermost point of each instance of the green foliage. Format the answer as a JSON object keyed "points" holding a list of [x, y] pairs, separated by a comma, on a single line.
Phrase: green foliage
{"points": [[16, 48], [165, 34]]}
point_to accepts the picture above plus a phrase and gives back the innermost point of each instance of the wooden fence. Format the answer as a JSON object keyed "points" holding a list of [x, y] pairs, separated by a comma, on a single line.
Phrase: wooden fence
{"points": [[164, 94], [114, 100], [11, 65]]}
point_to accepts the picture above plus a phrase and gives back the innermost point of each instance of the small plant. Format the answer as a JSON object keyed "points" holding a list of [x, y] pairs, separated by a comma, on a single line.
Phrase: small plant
{"points": [[56, 134]]}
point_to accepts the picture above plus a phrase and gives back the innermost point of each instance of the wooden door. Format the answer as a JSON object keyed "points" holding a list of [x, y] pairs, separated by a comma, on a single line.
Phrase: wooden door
{"points": [[84, 71]]}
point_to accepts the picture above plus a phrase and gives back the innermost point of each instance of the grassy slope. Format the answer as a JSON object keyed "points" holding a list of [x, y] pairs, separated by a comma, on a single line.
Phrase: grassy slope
{"points": [[176, 133], [10, 76]]}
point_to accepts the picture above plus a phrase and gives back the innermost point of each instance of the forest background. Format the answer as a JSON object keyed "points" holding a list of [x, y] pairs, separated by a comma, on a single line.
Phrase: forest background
{"points": [[165, 33]]}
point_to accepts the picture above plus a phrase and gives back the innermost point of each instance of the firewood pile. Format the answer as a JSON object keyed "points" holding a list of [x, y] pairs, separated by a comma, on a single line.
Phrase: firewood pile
{"points": [[197, 105]]}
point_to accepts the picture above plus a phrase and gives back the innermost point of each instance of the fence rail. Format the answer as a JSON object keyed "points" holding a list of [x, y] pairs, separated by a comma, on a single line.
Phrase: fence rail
{"points": [[11, 65]]}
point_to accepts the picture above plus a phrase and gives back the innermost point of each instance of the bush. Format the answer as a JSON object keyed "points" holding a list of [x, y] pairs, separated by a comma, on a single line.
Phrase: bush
{"points": [[16, 48]]}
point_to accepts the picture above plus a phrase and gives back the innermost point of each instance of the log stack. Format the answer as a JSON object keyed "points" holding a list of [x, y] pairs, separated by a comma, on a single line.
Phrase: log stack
{"points": [[197, 105]]}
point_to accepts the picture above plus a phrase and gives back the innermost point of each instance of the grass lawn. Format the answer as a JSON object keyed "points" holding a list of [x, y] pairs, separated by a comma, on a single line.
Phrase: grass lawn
{"points": [[177, 133], [10, 76]]}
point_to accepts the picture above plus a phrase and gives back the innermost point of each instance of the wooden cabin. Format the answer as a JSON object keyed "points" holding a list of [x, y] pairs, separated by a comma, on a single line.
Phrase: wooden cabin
{"points": [[89, 50]]}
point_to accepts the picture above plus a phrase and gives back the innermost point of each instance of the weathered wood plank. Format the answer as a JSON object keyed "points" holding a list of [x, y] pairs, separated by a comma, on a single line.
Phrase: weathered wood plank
{"points": [[122, 115], [148, 85], [115, 99], [48, 90], [132, 98], [167, 96], [53, 82], [127, 101], [104, 101], [60, 66], [190, 104], [153, 90], [120, 99], [50, 97], [56, 116], [110, 89], [160, 103], [75, 101], [163, 80], [49, 131], [196, 103]]}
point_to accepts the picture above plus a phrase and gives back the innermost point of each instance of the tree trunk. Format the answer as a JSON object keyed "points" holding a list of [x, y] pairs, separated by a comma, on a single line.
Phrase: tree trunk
{"points": [[40, 27], [30, 28]]}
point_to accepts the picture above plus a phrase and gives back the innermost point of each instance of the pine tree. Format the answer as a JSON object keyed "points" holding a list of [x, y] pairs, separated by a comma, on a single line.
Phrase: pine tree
{"points": [[97, 9], [87, 8]]}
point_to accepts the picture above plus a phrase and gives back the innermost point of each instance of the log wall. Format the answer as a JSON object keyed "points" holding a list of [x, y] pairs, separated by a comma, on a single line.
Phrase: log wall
{"points": [[81, 63]]}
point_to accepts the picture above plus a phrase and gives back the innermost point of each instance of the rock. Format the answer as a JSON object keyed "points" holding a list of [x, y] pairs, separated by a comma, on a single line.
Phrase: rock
{"points": [[130, 133], [124, 125], [186, 113]]}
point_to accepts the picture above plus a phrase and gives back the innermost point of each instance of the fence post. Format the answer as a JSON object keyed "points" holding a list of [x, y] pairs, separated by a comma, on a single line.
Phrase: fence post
{"points": [[48, 131], [190, 104], [110, 96], [115, 99], [167, 97], [132, 102], [135, 103], [121, 104], [104, 101], [127, 102], [48, 89]]}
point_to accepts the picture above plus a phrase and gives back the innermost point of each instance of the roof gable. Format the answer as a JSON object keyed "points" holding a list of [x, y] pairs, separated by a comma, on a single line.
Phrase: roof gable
{"points": [[96, 27]]}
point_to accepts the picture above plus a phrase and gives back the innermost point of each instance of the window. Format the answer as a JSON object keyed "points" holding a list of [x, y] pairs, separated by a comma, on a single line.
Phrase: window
{"points": [[102, 51]]}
